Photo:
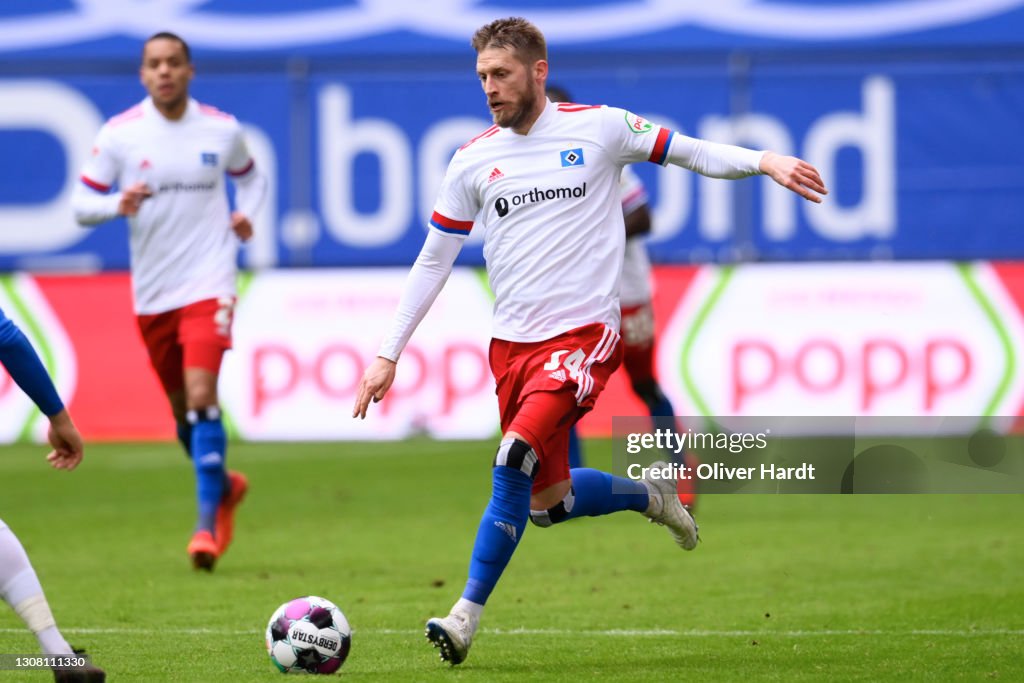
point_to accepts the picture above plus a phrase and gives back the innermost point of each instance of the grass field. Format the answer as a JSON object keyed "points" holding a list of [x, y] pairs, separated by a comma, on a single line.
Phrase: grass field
{"points": [[783, 588]]}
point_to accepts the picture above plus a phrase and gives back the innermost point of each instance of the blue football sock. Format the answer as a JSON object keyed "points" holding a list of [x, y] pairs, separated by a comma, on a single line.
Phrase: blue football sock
{"points": [[575, 452], [663, 417], [501, 527], [662, 407], [209, 446], [597, 493], [185, 436]]}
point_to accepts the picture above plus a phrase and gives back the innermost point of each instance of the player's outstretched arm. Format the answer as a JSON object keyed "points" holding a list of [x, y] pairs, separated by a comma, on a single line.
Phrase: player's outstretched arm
{"points": [[66, 441], [794, 174], [374, 385]]}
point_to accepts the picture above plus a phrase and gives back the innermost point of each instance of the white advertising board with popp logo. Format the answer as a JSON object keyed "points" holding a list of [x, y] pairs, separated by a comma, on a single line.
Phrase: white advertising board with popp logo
{"points": [[928, 339], [303, 339]]}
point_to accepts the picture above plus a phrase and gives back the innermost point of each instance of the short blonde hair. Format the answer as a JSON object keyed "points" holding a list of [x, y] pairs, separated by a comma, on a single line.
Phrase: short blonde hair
{"points": [[516, 33]]}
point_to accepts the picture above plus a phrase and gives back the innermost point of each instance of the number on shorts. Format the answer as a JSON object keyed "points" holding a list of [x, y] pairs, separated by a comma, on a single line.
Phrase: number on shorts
{"points": [[572, 362], [225, 312]]}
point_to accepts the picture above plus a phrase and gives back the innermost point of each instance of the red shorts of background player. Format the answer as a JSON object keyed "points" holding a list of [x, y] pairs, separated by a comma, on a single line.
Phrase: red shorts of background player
{"points": [[545, 387], [638, 342], [194, 336]]}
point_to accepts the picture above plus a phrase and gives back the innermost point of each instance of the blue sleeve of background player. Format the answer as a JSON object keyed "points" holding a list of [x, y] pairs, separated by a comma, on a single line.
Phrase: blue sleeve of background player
{"points": [[25, 368]]}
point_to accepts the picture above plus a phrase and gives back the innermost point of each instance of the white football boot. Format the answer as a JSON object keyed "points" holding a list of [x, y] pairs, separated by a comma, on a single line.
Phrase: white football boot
{"points": [[665, 509], [453, 634]]}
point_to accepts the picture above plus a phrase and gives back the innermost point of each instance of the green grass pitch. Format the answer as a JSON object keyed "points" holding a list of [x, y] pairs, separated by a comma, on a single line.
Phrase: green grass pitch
{"points": [[782, 588]]}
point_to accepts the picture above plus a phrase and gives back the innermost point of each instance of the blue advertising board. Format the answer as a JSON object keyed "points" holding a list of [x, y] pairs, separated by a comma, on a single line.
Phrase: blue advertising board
{"points": [[921, 148]]}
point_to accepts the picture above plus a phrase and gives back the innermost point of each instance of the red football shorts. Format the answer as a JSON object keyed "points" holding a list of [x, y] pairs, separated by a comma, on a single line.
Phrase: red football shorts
{"points": [[638, 342], [545, 387], [194, 336]]}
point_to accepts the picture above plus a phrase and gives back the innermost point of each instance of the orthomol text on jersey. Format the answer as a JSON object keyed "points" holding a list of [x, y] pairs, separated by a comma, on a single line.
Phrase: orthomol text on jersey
{"points": [[504, 204], [188, 187]]}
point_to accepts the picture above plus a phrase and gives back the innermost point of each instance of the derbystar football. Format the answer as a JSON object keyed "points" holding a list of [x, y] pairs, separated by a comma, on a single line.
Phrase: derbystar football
{"points": [[308, 635]]}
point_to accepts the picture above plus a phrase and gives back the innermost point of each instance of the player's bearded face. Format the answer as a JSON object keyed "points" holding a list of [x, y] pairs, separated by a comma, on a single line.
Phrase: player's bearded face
{"points": [[512, 94], [166, 72]]}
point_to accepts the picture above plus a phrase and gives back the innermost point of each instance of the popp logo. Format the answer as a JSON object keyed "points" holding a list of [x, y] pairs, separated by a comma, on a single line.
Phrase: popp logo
{"points": [[280, 373], [865, 339], [304, 338], [870, 369]]}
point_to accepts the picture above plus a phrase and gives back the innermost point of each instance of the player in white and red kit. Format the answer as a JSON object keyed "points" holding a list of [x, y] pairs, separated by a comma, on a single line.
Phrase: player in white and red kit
{"points": [[169, 156], [543, 184], [637, 325]]}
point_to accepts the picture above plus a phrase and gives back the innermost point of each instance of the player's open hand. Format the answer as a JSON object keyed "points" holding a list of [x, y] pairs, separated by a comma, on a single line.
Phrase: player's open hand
{"points": [[241, 226], [132, 198], [794, 174], [375, 383], [66, 441]]}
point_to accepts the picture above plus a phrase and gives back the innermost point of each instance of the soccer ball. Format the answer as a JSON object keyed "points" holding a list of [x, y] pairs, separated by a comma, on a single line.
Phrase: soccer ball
{"points": [[308, 635]]}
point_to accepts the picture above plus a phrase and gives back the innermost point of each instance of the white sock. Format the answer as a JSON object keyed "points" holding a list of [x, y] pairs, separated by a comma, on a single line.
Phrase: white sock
{"points": [[20, 588], [473, 609]]}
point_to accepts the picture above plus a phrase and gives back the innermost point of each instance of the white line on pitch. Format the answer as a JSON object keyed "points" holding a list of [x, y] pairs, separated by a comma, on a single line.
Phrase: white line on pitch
{"points": [[628, 633]]}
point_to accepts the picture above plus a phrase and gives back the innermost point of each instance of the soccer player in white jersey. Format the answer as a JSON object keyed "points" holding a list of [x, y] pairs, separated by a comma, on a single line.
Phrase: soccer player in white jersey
{"points": [[169, 155], [543, 184], [637, 325], [19, 583]]}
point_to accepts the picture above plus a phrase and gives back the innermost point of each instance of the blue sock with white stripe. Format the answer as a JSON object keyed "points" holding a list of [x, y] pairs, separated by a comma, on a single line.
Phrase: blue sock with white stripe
{"points": [[209, 446], [503, 521]]}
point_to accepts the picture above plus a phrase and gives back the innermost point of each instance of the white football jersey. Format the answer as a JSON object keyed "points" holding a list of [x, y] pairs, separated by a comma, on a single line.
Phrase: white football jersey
{"points": [[550, 205], [636, 266], [182, 247]]}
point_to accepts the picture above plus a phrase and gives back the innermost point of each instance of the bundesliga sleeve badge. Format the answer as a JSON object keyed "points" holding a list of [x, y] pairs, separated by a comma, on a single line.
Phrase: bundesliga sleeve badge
{"points": [[638, 124]]}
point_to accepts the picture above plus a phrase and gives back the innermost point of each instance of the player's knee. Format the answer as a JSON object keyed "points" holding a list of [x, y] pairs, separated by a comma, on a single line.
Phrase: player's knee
{"points": [[517, 455], [202, 397], [558, 512]]}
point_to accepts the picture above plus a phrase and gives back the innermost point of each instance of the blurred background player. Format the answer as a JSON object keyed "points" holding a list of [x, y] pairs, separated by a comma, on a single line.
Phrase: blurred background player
{"points": [[637, 325], [544, 181], [169, 155], [19, 584]]}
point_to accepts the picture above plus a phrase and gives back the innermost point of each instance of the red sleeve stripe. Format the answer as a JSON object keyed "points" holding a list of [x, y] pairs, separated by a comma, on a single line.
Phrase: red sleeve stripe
{"points": [[445, 224], [242, 171], [127, 115], [210, 110], [99, 187], [659, 154], [568, 106], [486, 134]]}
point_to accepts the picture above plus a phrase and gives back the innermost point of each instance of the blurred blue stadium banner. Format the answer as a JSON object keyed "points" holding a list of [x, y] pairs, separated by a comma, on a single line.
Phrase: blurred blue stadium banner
{"points": [[911, 110]]}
